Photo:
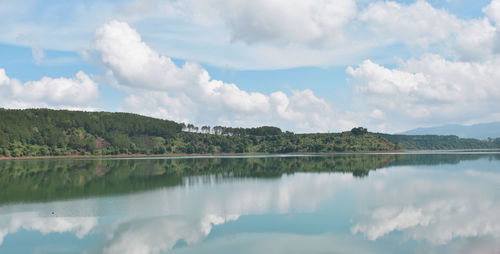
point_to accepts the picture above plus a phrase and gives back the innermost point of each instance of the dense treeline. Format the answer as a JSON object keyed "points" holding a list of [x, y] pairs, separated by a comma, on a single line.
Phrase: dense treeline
{"points": [[284, 143], [435, 142], [222, 130], [41, 132], [61, 132]]}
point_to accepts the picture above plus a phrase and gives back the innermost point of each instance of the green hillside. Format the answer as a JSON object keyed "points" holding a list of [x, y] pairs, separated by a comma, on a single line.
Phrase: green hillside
{"points": [[44, 132], [436, 142]]}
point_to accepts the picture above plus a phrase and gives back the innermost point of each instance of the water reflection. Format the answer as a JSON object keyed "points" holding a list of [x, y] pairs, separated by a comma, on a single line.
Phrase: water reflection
{"points": [[47, 180], [447, 205], [32, 221], [165, 223], [156, 234]]}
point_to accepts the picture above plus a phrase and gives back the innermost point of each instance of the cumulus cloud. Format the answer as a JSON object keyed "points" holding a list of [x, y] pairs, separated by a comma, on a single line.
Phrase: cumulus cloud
{"points": [[286, 21], [421, 25], [457, 86], [136, 64], [76, 92], [418, 24], [429, 89], [160, 88], [281, 22], [477, 40], [493, 11]]}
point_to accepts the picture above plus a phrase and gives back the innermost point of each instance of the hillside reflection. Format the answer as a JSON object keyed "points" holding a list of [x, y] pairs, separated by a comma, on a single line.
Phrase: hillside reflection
{"points": [[447, 205], [46, 180]]}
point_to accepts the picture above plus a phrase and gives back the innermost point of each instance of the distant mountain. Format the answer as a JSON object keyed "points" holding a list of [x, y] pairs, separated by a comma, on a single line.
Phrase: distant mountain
{"points": [[479, 131]]}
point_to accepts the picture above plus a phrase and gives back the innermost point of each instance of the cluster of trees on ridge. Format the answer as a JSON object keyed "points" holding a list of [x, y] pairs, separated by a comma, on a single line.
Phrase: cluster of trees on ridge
{"points": [[43, 132], [229, 131]]}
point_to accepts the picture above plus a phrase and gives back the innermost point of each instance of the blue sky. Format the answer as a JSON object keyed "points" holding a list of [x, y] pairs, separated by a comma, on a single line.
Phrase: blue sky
{"points": [[302, 65]]}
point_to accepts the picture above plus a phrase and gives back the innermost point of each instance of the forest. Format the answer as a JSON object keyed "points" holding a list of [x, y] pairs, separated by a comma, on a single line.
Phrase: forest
{"points": [[435, 142], [46, 132]]}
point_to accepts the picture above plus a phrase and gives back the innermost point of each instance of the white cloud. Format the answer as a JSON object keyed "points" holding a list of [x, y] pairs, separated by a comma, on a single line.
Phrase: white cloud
{"points": [[418, 24], [252, 34], [492, 11], [71, 93], [281, 22], [203, 24], [286, 21], [284, 34], [476, 40], [36, 51], [429, 89], [4, 79], [160, 88], [136, 64]]}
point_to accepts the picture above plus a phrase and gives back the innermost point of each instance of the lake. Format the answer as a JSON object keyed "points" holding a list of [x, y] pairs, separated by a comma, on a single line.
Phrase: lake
{"points": [[364, 203]]}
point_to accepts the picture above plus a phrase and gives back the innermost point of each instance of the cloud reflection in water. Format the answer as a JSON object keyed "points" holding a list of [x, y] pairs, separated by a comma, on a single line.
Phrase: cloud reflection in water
{"points": [[427, 205], [435, 209]]}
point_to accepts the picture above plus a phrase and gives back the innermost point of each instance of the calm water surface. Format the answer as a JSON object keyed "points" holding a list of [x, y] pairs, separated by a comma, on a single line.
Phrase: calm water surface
{"points": [[404, 203]]}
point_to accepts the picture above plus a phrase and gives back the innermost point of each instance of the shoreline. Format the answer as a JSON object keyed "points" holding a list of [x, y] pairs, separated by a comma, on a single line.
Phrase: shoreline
{"points": [[124, 156], [111, 156]]}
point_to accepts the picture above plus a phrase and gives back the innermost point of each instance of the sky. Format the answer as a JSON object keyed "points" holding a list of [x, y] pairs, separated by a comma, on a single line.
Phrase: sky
{"points": [[301, 65]]}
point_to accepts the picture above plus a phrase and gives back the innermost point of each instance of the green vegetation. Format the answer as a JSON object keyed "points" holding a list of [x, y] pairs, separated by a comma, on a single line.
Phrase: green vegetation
{"points": [[435, 142], [39, 132], [283, 143], [44, 132]]}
